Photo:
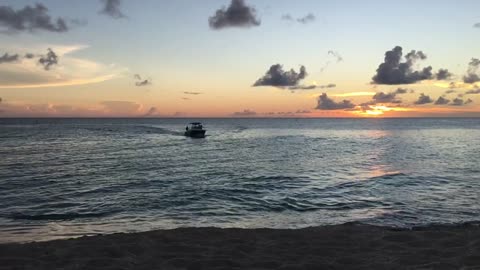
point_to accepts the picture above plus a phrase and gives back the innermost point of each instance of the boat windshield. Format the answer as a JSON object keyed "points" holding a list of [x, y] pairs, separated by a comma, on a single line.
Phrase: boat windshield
{"points": [[196, 125]]}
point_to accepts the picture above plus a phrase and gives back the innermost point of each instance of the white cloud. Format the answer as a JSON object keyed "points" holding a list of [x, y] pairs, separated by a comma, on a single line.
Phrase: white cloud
{"points": [[70, 70]]}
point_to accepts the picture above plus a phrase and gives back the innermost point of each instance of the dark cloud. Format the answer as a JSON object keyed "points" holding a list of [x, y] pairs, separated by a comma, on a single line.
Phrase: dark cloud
{"points": [[49, 60], [311, 87], [473, 91], [192, 93], [423, 99], [477, 25], [393, 71], [460, 102], [381, 97], [8, 58], [307, 19], [472, 75], [151, 112], [238, 14], [29, 55], [450, 91], [30, 19], [112, 8], [326, 103], [141, 82], [277, 77], [453, 85], [245, 113], [442, 101], [443, 74]]}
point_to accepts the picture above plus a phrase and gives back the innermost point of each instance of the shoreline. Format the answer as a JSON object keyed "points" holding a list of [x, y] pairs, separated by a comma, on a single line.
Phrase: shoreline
{"points": [[347, 246]]}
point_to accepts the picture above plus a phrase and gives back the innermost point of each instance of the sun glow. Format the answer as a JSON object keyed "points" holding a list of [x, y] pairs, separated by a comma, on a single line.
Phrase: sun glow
{"points": [[378, 110]]}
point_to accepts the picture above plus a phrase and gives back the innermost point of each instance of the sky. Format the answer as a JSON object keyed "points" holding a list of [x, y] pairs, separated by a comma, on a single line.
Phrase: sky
{"points": [[239, 58]]}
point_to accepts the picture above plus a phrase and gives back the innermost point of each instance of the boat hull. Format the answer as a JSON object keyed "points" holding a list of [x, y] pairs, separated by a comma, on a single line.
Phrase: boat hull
{"points": [[195, 133]]}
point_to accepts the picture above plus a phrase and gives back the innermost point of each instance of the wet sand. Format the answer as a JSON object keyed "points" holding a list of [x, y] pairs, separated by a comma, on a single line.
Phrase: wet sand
{"points": [[349, 246]]}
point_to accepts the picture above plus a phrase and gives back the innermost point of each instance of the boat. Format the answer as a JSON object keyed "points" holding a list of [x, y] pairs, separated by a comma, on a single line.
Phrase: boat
{"points": [[195, 130]]}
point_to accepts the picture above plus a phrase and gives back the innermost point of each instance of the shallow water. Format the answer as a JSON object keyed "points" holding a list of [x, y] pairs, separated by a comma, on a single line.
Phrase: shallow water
{"points": [[69, 177]]}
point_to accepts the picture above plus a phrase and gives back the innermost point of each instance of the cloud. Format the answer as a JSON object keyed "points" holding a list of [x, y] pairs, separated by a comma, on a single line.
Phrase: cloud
{"points": [[49, 60], [460, 102], [303, 112], [141, 82], [454, 85], [477, 25], [192, 93], [151, 112], [238, 14], [245, 113], [112, 8], [30, 19], [473, 91], [393, 71], [391, 97], [311, 87], [7, 58], [443, 74], [28, 73], [307, 19], [442, 101], [472, 75], [450, 91], [29, 55], [423, 99], [277, 77], [310, 17], [338, 58], [326, 103]]}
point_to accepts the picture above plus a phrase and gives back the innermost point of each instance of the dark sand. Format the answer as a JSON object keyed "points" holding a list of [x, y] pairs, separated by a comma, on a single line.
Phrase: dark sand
{"points": [[333, 247]]}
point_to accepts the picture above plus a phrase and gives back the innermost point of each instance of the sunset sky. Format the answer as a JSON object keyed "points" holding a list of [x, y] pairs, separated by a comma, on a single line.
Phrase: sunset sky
{"points": [[252, 58]]}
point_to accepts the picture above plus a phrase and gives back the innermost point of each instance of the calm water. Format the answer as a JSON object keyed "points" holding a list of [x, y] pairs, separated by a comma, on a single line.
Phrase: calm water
{"points": [[70, 177]]}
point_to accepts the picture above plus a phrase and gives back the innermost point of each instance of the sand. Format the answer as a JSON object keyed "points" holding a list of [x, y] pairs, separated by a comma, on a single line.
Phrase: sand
{"points": [[349, 246]]}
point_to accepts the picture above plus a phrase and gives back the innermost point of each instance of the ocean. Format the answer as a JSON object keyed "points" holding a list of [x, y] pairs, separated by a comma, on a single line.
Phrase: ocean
{"points": [[62, 178]]}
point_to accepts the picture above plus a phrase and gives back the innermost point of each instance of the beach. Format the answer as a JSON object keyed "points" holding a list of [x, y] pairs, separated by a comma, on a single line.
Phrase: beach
{"points": [[348, 246]]}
